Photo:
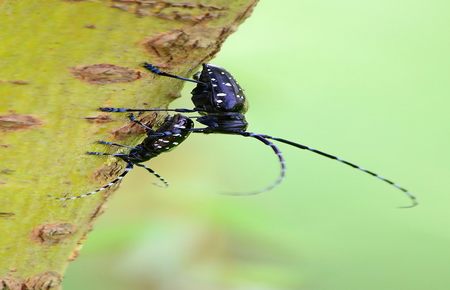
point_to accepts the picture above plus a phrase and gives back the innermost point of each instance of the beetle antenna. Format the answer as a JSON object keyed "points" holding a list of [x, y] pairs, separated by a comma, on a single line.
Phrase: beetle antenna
{"points": [[301, 146], [166, 184], [128, 168], [156, 70], [280, 158], [123, 110]]}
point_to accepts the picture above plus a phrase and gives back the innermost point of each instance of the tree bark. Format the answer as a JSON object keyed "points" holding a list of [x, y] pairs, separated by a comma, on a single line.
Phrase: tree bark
{"points": [[60, 61]]}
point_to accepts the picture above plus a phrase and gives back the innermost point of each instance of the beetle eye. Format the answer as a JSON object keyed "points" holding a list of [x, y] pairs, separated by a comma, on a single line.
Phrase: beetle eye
{"points": [[196, 76]]}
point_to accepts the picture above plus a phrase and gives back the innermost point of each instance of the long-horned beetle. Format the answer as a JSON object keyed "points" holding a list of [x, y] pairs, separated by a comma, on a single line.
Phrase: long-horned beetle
{"points": [[222, 104], [172, 132]]}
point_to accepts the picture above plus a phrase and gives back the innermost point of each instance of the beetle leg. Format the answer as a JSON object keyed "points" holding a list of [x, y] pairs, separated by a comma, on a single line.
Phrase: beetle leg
{"points": [[166, 184], [156, 70], [106, 154], [133, 119], [123, 110], [113, 144]]}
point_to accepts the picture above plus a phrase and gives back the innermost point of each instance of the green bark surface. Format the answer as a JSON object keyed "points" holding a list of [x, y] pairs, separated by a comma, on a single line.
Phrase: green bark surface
{"points": [[59, 61]]}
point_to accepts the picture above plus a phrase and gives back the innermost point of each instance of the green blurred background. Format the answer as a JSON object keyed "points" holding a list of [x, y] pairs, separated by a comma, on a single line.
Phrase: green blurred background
{"points": [[365, 80]]}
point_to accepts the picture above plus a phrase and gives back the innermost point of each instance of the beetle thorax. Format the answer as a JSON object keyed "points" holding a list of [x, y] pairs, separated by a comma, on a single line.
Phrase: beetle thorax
{"points": [[220, 92], [224, 123]]}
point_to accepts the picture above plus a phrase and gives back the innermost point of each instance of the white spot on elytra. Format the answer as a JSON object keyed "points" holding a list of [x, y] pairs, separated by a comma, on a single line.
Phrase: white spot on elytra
{"points": [[219, 101], [221, 94], [228, 84]]}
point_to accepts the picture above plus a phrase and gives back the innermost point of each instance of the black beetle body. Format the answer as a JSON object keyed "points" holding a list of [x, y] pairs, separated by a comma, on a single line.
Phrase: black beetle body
{"points": [[221, 94], [220, 100], [170, 134], [179, 127]]}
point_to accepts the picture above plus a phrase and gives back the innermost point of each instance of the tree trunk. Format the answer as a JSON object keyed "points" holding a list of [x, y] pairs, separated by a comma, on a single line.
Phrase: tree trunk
{"points": [[60, 61]]}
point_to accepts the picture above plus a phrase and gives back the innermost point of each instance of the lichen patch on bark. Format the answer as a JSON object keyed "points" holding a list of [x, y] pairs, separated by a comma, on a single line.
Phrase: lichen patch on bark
{"points": [[173, 48], [6, 214], [171, 10], [44, 281], [197, 43], [98, 211], [15, 82], [10, 283], [50, 234], [75, 253], [99, 119], [131, 129], [14, 122], [107, 172], [102, 73], [6, 171]]}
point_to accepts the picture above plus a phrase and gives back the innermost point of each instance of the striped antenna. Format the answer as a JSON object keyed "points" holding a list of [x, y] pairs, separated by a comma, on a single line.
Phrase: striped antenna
{"points": [[280, 158], [301, 146], [128, 168]]}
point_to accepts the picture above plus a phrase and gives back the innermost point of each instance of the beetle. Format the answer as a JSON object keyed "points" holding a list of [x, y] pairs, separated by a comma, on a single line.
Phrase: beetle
{"points": [[221, 102], [174, 130]]}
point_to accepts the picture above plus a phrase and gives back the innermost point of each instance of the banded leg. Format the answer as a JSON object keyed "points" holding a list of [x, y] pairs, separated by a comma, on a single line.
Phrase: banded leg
{"points": [[301, 146], [128, 168], [133, 119], [123, 110], [166, 184], [122, 156], [114, 144], [106, 154], [172, 133], [156, 70]]}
